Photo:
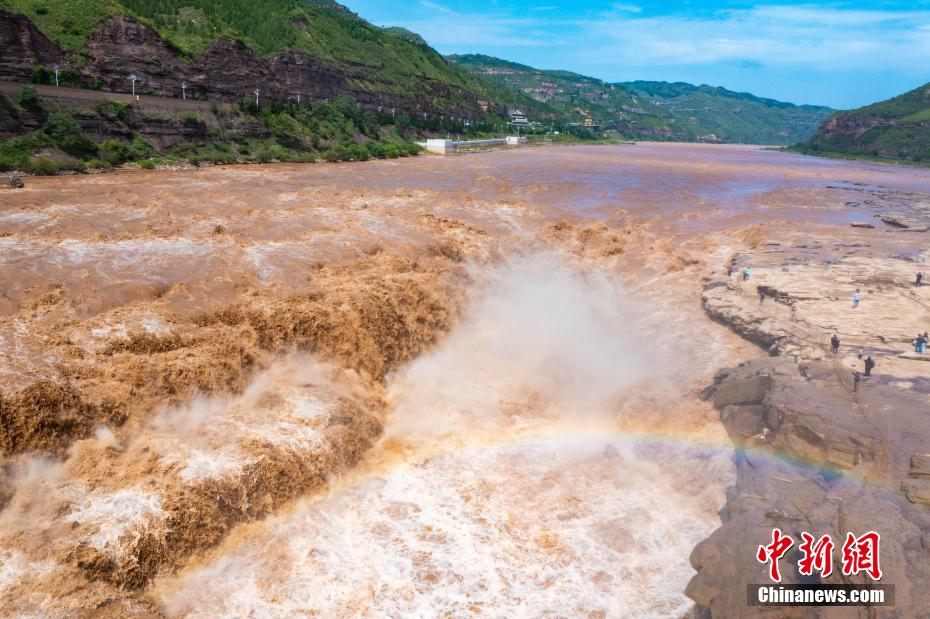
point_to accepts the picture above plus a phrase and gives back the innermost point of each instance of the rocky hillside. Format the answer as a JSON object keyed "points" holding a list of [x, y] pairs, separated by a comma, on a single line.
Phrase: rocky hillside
{"points": [[655, 110], [225, 50], [898, 128]]}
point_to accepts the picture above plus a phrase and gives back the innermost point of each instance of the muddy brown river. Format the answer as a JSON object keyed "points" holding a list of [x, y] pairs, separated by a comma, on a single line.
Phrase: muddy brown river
{"points": [[445, 386]]}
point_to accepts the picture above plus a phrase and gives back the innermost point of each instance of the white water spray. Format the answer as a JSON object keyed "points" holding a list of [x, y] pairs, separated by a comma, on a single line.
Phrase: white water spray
{"points": [[507, 482]]}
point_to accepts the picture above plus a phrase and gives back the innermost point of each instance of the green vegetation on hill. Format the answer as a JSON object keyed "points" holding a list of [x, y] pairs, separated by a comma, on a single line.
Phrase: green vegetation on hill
{"points": [[898, 129], [655, 110], [568, 96], [319, 130], [67, 23], [731, 116], [374, 59]]}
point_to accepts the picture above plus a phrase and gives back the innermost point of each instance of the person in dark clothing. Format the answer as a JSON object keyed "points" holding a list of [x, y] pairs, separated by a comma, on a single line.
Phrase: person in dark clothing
{"points": [[761, 295], [919, 281], [869, 364], [856, 378], [834, 344]]}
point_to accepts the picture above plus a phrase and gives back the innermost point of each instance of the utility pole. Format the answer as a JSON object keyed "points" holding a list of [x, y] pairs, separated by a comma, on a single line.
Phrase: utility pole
{"points": [[56, 69], [133, 78], [184, 90]]}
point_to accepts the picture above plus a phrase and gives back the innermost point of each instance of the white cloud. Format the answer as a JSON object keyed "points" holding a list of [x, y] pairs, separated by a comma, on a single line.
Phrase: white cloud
{"points": [[806, 36], [776, 36], [436, 7], [621, 7]]}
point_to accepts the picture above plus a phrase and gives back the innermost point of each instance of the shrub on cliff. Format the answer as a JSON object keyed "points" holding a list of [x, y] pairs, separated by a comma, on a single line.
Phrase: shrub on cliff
{"points": [[15, 152], [357, 152], [125, 112], [140, 148], [274, 152], [286, 129], [66, 134], [113, 152], [42, 165], [28, 98], [248, 106]]}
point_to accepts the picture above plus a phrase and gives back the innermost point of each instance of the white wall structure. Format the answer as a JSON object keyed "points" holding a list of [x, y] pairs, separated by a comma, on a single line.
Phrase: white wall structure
{"points": [[446, 146]]}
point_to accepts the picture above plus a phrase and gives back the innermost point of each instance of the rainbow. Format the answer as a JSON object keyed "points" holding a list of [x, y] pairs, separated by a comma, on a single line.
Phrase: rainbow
{"points": [[393, 453]]}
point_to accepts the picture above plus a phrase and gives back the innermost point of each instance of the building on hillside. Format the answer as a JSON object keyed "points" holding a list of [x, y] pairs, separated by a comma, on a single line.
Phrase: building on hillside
{"points": [[519, 119]]}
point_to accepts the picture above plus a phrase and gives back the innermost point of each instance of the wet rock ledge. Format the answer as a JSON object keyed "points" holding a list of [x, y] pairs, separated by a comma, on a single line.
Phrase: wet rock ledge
{"points": [[813, 452]]}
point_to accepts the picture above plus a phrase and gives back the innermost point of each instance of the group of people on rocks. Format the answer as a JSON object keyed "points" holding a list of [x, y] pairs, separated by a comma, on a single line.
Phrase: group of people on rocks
{"points": [[868, 362], [920, 342]]}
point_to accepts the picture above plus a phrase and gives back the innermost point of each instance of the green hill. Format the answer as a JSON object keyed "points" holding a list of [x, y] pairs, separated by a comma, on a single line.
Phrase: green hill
{"points": [[370, 59], [898, 128], [656, 110]]}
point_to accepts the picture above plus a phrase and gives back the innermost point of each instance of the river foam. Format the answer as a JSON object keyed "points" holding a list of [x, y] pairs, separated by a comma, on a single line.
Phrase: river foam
{"points": [[522, 473]]}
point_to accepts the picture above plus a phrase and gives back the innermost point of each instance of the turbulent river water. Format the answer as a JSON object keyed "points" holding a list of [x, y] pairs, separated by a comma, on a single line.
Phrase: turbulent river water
{"points": [[543, 458], [441, 387]]}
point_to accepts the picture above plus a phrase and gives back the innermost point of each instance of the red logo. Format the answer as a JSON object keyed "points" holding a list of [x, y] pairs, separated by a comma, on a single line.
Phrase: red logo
{"points": [[860, 554], [773, 552], [817, 555]]}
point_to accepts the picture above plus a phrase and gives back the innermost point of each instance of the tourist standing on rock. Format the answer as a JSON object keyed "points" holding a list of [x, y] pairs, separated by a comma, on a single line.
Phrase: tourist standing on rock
{"points": [[856, 378], [746, 273], [857, 296], [860, 354], [869, 364], [761, 295], [834, 344], [920, 344], [919, 280]]}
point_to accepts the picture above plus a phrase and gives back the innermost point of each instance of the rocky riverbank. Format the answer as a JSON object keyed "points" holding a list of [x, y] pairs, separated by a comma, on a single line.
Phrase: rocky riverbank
{"points": [[815, 451]]}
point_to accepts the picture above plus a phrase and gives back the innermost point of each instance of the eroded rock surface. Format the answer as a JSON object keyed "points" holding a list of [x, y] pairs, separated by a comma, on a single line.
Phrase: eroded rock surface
{"points": [[817, 452]]}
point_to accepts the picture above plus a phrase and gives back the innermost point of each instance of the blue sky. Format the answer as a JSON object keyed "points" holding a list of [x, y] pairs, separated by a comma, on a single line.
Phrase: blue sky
{"points": [[842, 54]]}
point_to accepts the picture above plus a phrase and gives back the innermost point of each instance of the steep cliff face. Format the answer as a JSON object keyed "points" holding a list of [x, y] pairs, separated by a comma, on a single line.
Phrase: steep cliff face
{"points": [[226, 70], [898, 128], [122, 46], [22, 45]]}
